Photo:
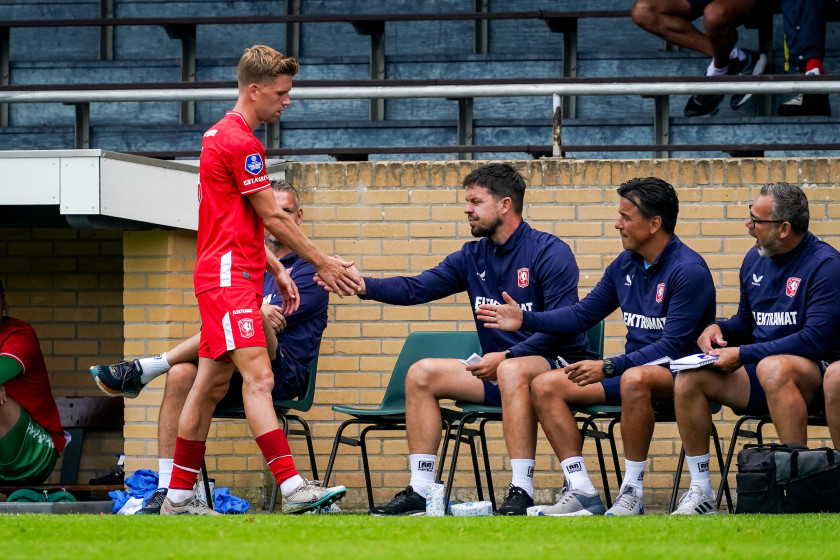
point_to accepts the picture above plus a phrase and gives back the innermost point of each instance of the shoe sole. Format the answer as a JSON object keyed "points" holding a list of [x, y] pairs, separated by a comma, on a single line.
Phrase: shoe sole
{"points": [[325, 501], [406, 514], [111, 392], [579, 513]]}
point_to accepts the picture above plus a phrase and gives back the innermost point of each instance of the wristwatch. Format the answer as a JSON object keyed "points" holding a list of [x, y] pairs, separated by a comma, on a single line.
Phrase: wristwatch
{"points": [[609, 368], [508, 354]]}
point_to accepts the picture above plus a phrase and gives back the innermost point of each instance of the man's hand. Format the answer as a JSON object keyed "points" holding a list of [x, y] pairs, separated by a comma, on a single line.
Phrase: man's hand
{"points": [[711, 338], [486, 368], [338, 276], [274, 315], [729, 360], [505, 317], [586, 372], [288, 291], [354, 274]]}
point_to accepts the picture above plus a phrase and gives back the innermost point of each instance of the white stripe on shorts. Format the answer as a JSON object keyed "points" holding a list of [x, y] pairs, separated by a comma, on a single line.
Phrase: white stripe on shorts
{"points": [[224, 270], [229, 343]]}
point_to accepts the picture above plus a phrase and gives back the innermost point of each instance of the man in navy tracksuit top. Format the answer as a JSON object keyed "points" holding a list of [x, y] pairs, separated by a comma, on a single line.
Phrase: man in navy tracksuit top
{"points": [[511, 257], [666, 295], [774, 350]]}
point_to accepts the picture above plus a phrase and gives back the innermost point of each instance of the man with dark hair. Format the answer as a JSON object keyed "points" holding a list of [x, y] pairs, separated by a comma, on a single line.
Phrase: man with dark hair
{"points": [[671, 20], [773, 352], [30, 429], [666, 295], [509, 257], [234, 207], [292, 341]]}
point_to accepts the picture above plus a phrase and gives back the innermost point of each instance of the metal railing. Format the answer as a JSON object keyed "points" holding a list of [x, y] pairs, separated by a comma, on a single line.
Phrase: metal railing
{"points": [[659, 88]]}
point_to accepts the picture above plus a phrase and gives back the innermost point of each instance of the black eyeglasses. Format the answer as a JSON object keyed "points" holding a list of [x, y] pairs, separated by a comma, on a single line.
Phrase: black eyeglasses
{"points": [[758, 221]]}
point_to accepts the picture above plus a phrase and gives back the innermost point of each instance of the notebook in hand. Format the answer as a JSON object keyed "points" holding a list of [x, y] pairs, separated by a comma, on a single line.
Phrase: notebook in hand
{"points": [[692, 362]]}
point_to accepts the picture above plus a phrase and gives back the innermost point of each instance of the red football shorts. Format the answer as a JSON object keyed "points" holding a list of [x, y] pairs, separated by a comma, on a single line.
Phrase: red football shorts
{"points": [[230, 319]]}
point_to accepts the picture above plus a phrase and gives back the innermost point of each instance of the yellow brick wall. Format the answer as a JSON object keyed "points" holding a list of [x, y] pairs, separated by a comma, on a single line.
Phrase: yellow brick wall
{"points": [[397, 218], [68, 284]]}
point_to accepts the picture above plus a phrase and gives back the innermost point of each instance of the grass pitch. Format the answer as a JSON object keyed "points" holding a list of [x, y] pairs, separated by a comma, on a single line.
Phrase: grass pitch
{"points": [[347, 536]]}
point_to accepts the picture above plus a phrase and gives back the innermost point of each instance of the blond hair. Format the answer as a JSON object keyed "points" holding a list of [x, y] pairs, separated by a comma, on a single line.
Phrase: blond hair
{"points": [[261, 64]]}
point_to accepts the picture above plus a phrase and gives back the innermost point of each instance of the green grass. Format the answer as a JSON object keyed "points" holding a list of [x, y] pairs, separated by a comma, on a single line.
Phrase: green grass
{"points": [[722, 537]]}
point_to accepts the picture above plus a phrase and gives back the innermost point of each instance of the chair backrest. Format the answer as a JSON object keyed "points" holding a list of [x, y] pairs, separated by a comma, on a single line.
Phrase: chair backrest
{"points": [[304, 403], [419, 345], [595, 337]]}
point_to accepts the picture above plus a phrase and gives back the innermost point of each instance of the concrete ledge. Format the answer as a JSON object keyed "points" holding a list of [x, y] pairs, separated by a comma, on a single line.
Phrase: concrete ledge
{"points": [[62, 508]]}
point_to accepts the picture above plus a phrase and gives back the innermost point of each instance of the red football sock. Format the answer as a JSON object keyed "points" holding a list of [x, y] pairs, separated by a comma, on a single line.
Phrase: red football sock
{"points": [[275, 449], [815, 63], [188, 458]]}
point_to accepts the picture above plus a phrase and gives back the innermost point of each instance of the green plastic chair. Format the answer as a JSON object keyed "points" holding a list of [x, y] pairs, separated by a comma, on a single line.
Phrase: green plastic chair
{"points": [[281, 408], [390, 414], [470, 412]]}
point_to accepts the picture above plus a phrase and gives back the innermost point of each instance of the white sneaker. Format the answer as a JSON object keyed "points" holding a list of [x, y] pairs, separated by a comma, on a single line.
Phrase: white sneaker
{"points": [[571, 503], [695, 501], [310, 495], [627, 503]]}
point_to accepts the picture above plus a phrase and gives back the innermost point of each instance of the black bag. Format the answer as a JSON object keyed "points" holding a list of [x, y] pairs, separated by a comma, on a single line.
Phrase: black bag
{"points": [[777, 478]]}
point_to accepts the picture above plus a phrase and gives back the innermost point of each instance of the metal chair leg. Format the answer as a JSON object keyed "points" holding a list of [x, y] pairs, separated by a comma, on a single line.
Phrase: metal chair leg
{"points": [[468, 418], [336, 443], [488, 473], [206, 481], [307, 433]]}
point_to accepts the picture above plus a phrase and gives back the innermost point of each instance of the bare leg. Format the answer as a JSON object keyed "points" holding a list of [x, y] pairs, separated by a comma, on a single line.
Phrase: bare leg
{"points": [[185, 352], [831, 387], [692, 392], [9, 415], [639, 385], [720, 19], [669, 19], [790, 383], [426, 382], [552, 392], [257, 383], [179, 381], [211, 384], [518, 415]]}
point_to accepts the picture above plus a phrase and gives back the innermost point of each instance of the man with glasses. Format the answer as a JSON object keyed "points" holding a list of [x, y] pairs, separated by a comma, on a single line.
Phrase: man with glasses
{"points": [[773, 352]]}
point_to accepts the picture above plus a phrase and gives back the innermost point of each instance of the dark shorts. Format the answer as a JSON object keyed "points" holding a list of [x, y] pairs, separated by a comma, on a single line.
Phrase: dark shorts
{"points": [[758, 399], [492, 395]]}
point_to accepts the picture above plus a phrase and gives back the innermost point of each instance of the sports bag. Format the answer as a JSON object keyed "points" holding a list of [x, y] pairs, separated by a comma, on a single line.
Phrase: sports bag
{"points": [[775, 478]]}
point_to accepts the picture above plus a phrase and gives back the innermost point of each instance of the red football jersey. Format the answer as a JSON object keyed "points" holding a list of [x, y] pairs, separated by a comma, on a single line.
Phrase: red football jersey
{"points": [[230, 232], [30, 389]]}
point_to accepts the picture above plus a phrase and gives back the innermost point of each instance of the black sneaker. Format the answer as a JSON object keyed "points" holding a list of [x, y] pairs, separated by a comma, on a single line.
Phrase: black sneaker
{"points": [[119, 380], [152, 506], [702, 105], [407, 502], [753, 65], [516, 502]]}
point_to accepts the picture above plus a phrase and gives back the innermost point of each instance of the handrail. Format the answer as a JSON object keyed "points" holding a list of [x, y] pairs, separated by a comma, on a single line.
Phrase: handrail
{"points": [[831, 84], [314, 18]]}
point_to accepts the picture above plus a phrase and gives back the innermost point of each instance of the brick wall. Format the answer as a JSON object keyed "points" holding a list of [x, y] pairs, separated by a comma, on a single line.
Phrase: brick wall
{"points": [[397, 218], [68, 285]]}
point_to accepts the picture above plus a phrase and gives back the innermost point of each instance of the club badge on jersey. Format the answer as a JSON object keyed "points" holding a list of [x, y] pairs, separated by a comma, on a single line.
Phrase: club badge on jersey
{"points": [[791, 286], [522, 277], [254, 164], [660, 292]]}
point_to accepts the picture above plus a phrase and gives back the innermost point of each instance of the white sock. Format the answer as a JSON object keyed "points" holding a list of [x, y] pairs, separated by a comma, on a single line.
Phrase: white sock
{"points": [[700, 476], [153, 367], [713, 70], [422, 471], [574, 470], [290, 484], [165, 471], [523, 474], [177, 496], [737, 53], [634, 475]]}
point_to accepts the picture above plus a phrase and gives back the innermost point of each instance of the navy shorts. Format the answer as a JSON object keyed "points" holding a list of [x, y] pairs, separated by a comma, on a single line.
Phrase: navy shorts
{"points": [[758, 399], [492, 395]]}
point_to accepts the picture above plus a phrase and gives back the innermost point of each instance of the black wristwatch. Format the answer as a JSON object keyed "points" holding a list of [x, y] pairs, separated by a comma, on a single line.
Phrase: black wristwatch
{"points": [[609, 368], [508, 354]]}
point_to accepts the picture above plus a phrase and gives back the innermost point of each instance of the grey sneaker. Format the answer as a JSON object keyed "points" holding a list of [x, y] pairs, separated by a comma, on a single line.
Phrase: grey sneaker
{"points": [[310, 495], [572, 502], [191, 506], [695, 501], [627, 503]]}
